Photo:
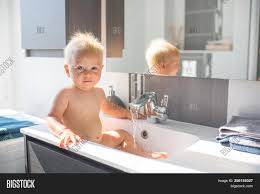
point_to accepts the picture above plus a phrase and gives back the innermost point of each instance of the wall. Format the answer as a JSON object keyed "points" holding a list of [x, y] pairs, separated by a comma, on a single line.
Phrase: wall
{"points": [[141, 27], [154, 20], [243, 99], [234, 64], [4, 54], [133, 53]]}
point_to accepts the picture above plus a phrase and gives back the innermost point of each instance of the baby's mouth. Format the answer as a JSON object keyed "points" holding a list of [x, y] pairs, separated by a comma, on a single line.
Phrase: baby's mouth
{"points": [[87, 81]]}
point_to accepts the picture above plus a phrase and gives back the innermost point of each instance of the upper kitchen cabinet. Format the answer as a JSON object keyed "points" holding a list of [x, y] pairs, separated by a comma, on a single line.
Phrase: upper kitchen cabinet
{"points": [[47, 29]]}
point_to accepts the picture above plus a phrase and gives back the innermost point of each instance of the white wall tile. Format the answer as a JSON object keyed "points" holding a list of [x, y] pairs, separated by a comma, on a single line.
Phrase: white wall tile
{"points": [[244, 98]]}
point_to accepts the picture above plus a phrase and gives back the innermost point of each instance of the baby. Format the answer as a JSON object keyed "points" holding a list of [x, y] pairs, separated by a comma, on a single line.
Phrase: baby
{"points": [[162, 58], [74, 115]]}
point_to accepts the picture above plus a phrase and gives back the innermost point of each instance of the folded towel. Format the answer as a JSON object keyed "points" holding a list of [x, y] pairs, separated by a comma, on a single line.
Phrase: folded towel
{"points": [[241, 126], [13, 125], [243, 148], [240, 140], [237, 144], [242, 134], [10, 136]]}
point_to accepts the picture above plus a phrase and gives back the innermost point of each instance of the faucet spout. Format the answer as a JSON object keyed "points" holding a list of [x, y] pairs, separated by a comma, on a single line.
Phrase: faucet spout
{"points": [[152, 110]]}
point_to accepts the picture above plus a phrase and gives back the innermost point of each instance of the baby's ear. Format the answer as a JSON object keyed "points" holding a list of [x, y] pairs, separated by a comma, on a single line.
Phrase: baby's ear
{"points": [[67, 69]]}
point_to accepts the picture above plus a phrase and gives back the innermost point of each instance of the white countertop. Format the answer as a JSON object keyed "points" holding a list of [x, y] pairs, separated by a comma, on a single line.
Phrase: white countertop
{"points": [[203, 157]]}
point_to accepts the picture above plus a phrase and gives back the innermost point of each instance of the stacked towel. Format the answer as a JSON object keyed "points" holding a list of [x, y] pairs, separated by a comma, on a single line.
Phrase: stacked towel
{"points": [[12, 122], [241, 134], [219, 45]]}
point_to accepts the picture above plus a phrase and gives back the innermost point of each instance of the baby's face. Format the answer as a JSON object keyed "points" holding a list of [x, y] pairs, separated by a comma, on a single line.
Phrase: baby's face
{"points": [[87, 72]]}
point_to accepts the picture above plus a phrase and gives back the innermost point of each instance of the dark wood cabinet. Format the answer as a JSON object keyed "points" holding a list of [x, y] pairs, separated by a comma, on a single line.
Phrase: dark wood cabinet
{"points": [[84, 16]]}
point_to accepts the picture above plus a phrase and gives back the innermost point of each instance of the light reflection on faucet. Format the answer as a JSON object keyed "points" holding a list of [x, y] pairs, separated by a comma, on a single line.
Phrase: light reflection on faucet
{"points": [[153, 112]]}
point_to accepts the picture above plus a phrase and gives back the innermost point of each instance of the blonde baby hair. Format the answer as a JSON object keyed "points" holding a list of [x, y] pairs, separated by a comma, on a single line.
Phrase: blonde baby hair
{"points": [[82, 44], [159, 52]]}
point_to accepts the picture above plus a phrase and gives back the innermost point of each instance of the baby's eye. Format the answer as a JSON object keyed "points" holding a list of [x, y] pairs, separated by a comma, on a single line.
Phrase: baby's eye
{"points": [[94, 68], [79, 68]]}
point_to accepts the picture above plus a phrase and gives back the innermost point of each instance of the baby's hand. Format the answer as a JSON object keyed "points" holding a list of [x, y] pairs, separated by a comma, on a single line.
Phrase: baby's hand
{"points": [[68, 138]]}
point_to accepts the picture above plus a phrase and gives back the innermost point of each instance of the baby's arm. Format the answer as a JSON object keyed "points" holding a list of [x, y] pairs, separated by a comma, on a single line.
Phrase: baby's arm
{"points": [[54, 120], [112, 109]]}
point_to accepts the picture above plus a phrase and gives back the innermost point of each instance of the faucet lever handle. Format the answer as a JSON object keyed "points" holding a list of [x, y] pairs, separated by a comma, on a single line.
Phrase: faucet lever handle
{"points": [[164, 101]]}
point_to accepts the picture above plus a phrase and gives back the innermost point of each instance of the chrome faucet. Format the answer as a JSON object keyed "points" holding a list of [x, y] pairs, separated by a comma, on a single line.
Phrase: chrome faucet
{"points": [[153, 112]]}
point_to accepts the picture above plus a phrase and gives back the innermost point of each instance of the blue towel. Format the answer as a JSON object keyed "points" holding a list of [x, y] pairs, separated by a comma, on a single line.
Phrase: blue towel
{"points": [[10, 136], [240, 143], [242, 134], [242, 148], [240, 139], [13, 125]]}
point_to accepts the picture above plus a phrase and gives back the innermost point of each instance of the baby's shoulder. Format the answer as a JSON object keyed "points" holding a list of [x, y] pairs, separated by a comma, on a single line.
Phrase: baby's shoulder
{"points": [[99, 91], [65, 92]]}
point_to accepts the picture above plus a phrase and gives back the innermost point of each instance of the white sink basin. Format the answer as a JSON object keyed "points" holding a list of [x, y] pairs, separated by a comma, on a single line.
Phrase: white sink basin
{"points": [[152, 137]]}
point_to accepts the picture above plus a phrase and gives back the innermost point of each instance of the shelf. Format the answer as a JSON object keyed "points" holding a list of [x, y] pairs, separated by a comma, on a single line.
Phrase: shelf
{"points": [[199, 34], [201, 11], [204, 52]]}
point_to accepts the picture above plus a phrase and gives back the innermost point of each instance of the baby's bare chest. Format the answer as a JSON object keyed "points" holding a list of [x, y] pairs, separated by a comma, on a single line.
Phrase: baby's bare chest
{"points": [[84, 105]]}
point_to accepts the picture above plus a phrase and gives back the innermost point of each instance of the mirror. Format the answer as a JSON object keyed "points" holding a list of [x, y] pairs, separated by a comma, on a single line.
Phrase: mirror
{"points": [[216, 38]]}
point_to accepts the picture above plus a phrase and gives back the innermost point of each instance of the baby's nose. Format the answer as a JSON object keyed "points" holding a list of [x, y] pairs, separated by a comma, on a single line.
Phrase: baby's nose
{"points": [[87, 74]]}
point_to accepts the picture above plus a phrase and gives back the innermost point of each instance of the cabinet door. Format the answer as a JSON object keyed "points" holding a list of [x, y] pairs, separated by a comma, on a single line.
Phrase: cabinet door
{"points": [[49, 159], [43, 24], [84, 16], [115, 27], [201, 23]]}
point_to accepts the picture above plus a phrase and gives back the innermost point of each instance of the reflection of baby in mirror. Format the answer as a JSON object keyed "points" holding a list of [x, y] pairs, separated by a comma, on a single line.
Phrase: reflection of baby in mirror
{"points": [[162, 58]]}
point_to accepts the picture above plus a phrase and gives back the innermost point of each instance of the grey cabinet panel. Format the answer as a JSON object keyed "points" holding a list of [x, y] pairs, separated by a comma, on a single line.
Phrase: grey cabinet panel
{"points": [[115, 27], [49, 159], [84, 16], [201, 23], [43, 24], [48, 25]]}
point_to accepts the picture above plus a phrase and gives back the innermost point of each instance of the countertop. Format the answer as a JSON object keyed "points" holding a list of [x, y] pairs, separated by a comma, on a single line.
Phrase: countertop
{"points": [[204, 156]]}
